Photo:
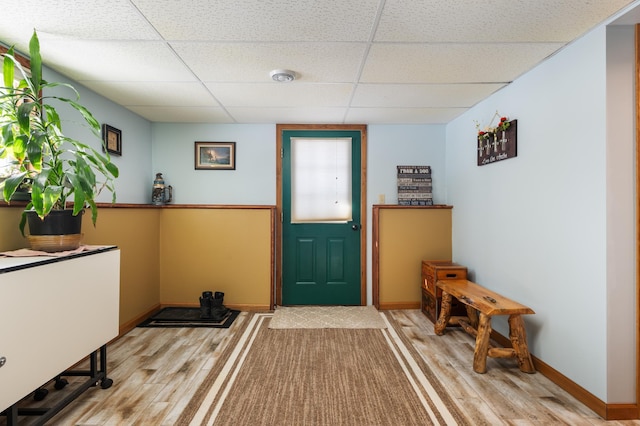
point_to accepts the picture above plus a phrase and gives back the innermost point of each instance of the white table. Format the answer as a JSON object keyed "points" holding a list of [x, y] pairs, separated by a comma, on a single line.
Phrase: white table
{"points": [[54, 312]]}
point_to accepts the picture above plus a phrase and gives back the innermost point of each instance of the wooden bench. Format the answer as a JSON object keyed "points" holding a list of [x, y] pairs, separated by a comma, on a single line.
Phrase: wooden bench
{"points": [[481, 305]]}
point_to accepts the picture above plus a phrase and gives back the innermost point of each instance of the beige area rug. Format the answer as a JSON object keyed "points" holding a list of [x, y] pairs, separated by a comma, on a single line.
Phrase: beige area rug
{"points": [[327, 317], [320, 377]]}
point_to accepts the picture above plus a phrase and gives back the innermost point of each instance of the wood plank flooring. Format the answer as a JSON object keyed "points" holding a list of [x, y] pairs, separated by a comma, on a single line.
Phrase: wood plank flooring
{"points": [[157, 370]]}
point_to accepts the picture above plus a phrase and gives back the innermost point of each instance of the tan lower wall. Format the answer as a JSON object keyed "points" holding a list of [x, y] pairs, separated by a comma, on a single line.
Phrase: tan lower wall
{"points": [[136, 232], [226, 250], [407, 236], [10, 236], [169, 255]]}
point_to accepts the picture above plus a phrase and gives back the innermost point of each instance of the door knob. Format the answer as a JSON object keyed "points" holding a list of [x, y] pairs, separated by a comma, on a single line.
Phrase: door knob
{"points": [[355, 227]]}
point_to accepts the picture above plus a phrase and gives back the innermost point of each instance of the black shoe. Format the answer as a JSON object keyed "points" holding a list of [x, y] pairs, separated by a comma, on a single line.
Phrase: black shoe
{"points": [[218, 310], [206, 305], [219, 313]]}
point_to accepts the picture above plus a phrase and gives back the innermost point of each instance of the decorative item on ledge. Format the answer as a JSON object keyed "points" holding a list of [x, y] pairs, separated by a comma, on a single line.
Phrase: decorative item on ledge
{"points": [[161, 194], [415, 187], [497, 143]]}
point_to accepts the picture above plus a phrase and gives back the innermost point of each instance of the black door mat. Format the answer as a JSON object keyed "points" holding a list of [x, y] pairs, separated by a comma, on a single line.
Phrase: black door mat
{"points": [[187, 317]]}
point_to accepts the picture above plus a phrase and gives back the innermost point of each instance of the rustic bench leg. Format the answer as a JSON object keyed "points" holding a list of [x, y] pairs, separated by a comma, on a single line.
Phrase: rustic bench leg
{"points": [[445, 314], [472, 314], [518, 337], [482, 344]]}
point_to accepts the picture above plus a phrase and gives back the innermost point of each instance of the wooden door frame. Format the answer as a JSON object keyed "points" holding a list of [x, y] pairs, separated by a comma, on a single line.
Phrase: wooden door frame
{"points": [[637, 81], [362, 128]]}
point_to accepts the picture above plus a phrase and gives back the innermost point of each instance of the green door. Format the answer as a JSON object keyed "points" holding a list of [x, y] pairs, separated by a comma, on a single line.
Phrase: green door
{"points": [[321, 217]]}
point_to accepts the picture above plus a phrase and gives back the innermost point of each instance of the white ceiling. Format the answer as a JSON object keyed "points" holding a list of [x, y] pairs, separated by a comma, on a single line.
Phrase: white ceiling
{"points": [[357, 61]]}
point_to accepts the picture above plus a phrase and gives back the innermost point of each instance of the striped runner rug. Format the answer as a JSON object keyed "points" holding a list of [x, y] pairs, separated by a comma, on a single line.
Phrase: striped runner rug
{"points": [[330, 376]]}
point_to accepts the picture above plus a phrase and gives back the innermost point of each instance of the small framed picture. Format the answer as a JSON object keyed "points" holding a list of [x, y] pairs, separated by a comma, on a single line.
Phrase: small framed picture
{"points": [[112, 138], [215, 156]]}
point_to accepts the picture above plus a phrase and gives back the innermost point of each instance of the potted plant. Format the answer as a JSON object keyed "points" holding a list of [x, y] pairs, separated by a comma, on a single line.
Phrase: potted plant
{"points": [[53, 166]]}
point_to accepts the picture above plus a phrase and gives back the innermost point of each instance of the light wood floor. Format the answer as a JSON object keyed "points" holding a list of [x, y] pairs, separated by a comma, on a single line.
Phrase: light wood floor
{"points": [[156, 370]]}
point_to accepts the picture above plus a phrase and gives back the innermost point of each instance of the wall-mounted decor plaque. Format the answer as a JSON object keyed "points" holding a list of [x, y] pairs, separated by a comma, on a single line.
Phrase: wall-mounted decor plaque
{"points": [[499, 145]]}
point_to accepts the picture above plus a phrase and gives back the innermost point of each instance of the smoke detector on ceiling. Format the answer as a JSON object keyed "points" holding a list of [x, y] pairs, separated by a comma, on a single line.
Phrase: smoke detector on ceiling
{"points": [[283, 76]]}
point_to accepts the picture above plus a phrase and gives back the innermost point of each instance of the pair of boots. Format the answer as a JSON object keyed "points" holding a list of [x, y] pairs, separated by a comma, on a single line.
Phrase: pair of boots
{"points": [[211, 306]]}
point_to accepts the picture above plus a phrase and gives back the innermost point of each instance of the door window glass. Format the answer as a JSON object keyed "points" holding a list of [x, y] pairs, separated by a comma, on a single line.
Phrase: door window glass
{"points": [[320, 180]]}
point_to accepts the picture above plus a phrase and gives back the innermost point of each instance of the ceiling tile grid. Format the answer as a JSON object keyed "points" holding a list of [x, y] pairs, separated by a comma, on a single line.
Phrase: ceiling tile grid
{"points": [[452, 63], [422, 95], [152, 93], [262, 20], [402, 115], [265, 95], [252, 62], [73, 20], [356, 61], [288, 115], [115, 61], [505, 21], [183, 114]]}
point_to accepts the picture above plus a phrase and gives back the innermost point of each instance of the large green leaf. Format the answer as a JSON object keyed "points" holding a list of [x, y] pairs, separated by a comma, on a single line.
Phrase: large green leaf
{"points": [[36, 62], [37, 190], [7, 68], [94, 125], [19, 147], [11, 184], [7, 133], [94, 211], [23, 218], [113, 169], [78, 202], [52, 116], [34, 150], [24, 116], [50, 197]]}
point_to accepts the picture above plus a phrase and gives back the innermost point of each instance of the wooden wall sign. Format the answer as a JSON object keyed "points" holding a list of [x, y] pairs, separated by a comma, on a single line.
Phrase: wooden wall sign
{"points": [[498, 146]]}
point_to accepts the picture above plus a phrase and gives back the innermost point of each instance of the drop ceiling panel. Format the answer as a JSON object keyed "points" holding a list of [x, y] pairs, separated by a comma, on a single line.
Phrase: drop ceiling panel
{"points": [[258, 20], [146, 93], [65, 19], [403, 115], [358, 61], [252, 62], [452, 63], [183, 114], [491, 21], [313, 115], [115, 61], [421, 95], [282, 94]]}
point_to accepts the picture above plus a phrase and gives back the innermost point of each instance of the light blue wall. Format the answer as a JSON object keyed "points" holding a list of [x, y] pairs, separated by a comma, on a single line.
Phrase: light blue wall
{"points": [[395, 145], [534, 228], [254, 180], [135, 162]]}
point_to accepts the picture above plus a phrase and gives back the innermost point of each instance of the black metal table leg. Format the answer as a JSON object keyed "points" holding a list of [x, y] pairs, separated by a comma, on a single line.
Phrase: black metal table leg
{"points": [[97, 373]]}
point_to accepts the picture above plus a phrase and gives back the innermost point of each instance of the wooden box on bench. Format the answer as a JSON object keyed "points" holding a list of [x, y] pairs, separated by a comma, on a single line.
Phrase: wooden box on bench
{"points": [[432, 271]]}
